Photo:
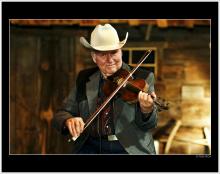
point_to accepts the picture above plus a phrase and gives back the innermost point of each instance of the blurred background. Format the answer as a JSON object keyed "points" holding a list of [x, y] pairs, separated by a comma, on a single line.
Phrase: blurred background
{"points": [[46, 56]]}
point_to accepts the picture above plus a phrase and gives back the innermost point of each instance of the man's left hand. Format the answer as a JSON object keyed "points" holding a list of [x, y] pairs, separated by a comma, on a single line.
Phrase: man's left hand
{"points": [[146, 101]]}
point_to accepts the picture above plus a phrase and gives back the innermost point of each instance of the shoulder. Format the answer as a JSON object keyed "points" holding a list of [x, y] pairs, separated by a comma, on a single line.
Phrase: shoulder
{"points": [[143, 73], [85, 74], [88, 72], [81, 80]]}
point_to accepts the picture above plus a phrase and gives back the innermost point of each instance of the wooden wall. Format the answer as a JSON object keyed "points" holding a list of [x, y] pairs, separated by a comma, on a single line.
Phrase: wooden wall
{"points": [[184, 80], [42, 70], [43, 65]]}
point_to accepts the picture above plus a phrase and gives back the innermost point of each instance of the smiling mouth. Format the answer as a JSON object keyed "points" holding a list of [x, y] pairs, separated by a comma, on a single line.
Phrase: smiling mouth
{"points": [[110, 65]]}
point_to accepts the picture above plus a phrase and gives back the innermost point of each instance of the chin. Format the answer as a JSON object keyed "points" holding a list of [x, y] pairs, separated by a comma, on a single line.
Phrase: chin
{"points": [[112, 72]]}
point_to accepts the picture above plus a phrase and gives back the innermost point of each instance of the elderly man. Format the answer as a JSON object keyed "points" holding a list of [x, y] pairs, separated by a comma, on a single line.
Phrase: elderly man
{"points": [[121, 127]]}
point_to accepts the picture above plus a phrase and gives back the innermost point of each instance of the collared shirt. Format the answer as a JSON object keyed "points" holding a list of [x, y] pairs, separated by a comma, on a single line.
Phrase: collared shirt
{"points": [[104, 123]]}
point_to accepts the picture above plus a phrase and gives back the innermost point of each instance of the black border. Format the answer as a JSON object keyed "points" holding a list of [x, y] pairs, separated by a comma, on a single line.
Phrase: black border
{"points": [[109, 10]]}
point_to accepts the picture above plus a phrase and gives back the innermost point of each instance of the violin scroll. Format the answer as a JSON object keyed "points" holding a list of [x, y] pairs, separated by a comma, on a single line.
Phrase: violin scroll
{"points": [[162, 104]]}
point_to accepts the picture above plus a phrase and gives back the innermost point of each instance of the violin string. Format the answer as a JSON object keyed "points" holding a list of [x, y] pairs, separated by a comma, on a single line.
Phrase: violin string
{"points": [[135, 86]]}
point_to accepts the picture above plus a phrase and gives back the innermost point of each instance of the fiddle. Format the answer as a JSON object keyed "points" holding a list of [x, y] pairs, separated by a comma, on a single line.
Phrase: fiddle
{"points": [[129, 91]]}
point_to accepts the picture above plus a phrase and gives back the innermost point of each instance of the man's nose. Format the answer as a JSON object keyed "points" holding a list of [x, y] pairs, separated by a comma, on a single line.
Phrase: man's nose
{"points": [[109, 57]]}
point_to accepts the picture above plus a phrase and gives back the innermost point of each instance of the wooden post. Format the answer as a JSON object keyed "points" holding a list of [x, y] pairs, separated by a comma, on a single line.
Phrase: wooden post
{"points": [[171, 136]]}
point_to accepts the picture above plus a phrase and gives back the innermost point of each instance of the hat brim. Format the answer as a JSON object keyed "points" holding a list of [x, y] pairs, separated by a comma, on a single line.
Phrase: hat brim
{"points": [[85, 43]]}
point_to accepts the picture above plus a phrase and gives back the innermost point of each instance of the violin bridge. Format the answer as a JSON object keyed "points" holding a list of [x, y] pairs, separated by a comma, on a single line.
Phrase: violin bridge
{"points": [[119, 81]]}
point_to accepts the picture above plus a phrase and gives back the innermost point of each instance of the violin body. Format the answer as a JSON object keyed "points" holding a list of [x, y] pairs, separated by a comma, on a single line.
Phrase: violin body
{"points": [[129, 92]]}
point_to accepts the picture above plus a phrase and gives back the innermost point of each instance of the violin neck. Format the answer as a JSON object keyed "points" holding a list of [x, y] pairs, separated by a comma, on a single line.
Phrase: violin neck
{"points": [[161, 104]]}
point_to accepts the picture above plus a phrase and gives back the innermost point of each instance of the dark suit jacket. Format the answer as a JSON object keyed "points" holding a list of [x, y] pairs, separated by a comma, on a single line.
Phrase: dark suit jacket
{"points": [[132, 128]]}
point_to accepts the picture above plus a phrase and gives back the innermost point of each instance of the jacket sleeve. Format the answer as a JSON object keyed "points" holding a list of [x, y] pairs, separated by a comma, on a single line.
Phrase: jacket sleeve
{"points": [[147, 121], [68, 109]]}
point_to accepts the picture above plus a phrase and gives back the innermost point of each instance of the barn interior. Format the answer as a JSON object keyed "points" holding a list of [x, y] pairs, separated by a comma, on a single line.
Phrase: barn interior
{"points": [[46, 56]]}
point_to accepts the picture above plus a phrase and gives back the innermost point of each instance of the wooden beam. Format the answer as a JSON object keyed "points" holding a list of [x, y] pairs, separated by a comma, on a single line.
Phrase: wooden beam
{"points": [[163, 23]]}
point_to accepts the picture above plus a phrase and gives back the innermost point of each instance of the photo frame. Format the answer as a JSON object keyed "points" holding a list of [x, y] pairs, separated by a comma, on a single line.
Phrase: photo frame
{"points": [[102, 163]]}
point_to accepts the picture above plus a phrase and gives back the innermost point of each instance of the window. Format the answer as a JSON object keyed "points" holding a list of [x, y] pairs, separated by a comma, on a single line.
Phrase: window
{"points": [[132, 55]]}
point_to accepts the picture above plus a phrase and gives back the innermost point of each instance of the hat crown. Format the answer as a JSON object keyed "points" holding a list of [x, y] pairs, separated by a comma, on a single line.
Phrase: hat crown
{"points": [[104, 36]]}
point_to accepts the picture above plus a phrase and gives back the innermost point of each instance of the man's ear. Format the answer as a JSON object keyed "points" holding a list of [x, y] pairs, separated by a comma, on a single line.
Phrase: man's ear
{"points": [[93, 57]]}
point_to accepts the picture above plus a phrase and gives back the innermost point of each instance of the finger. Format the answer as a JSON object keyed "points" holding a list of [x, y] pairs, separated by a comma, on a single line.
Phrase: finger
{"points": [[153, 95], [147, 100], [81, 125], [74, 130], [77, 127], [71, 128], [142, 98], [68, 124], [150, 99], [139, 95], [145, 97]]}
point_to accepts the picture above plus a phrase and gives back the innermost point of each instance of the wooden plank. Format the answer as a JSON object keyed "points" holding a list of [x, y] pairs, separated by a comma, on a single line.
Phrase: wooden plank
{"points": [[203, 142]]}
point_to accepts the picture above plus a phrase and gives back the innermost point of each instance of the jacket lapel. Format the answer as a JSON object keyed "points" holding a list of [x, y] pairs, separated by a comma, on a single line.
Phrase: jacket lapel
{"points": [[92, 91]]}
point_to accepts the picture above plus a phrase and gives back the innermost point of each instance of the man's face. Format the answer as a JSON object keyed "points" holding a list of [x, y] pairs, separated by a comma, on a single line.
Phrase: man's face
{"points": [[108, 61]]}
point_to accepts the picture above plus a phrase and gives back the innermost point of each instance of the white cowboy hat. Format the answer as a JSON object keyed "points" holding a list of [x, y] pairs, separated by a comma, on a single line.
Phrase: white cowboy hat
{"points": [[104, 38]]}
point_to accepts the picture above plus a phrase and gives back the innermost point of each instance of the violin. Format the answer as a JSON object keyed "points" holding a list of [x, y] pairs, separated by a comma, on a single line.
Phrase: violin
{"points": [[129, 91]]}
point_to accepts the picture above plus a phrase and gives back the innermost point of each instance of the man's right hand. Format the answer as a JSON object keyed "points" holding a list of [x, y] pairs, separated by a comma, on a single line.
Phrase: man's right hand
{"points": [[75, 126]]}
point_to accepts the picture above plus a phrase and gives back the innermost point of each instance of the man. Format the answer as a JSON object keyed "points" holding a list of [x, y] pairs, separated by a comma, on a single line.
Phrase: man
{"points": [[120, 128]]}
